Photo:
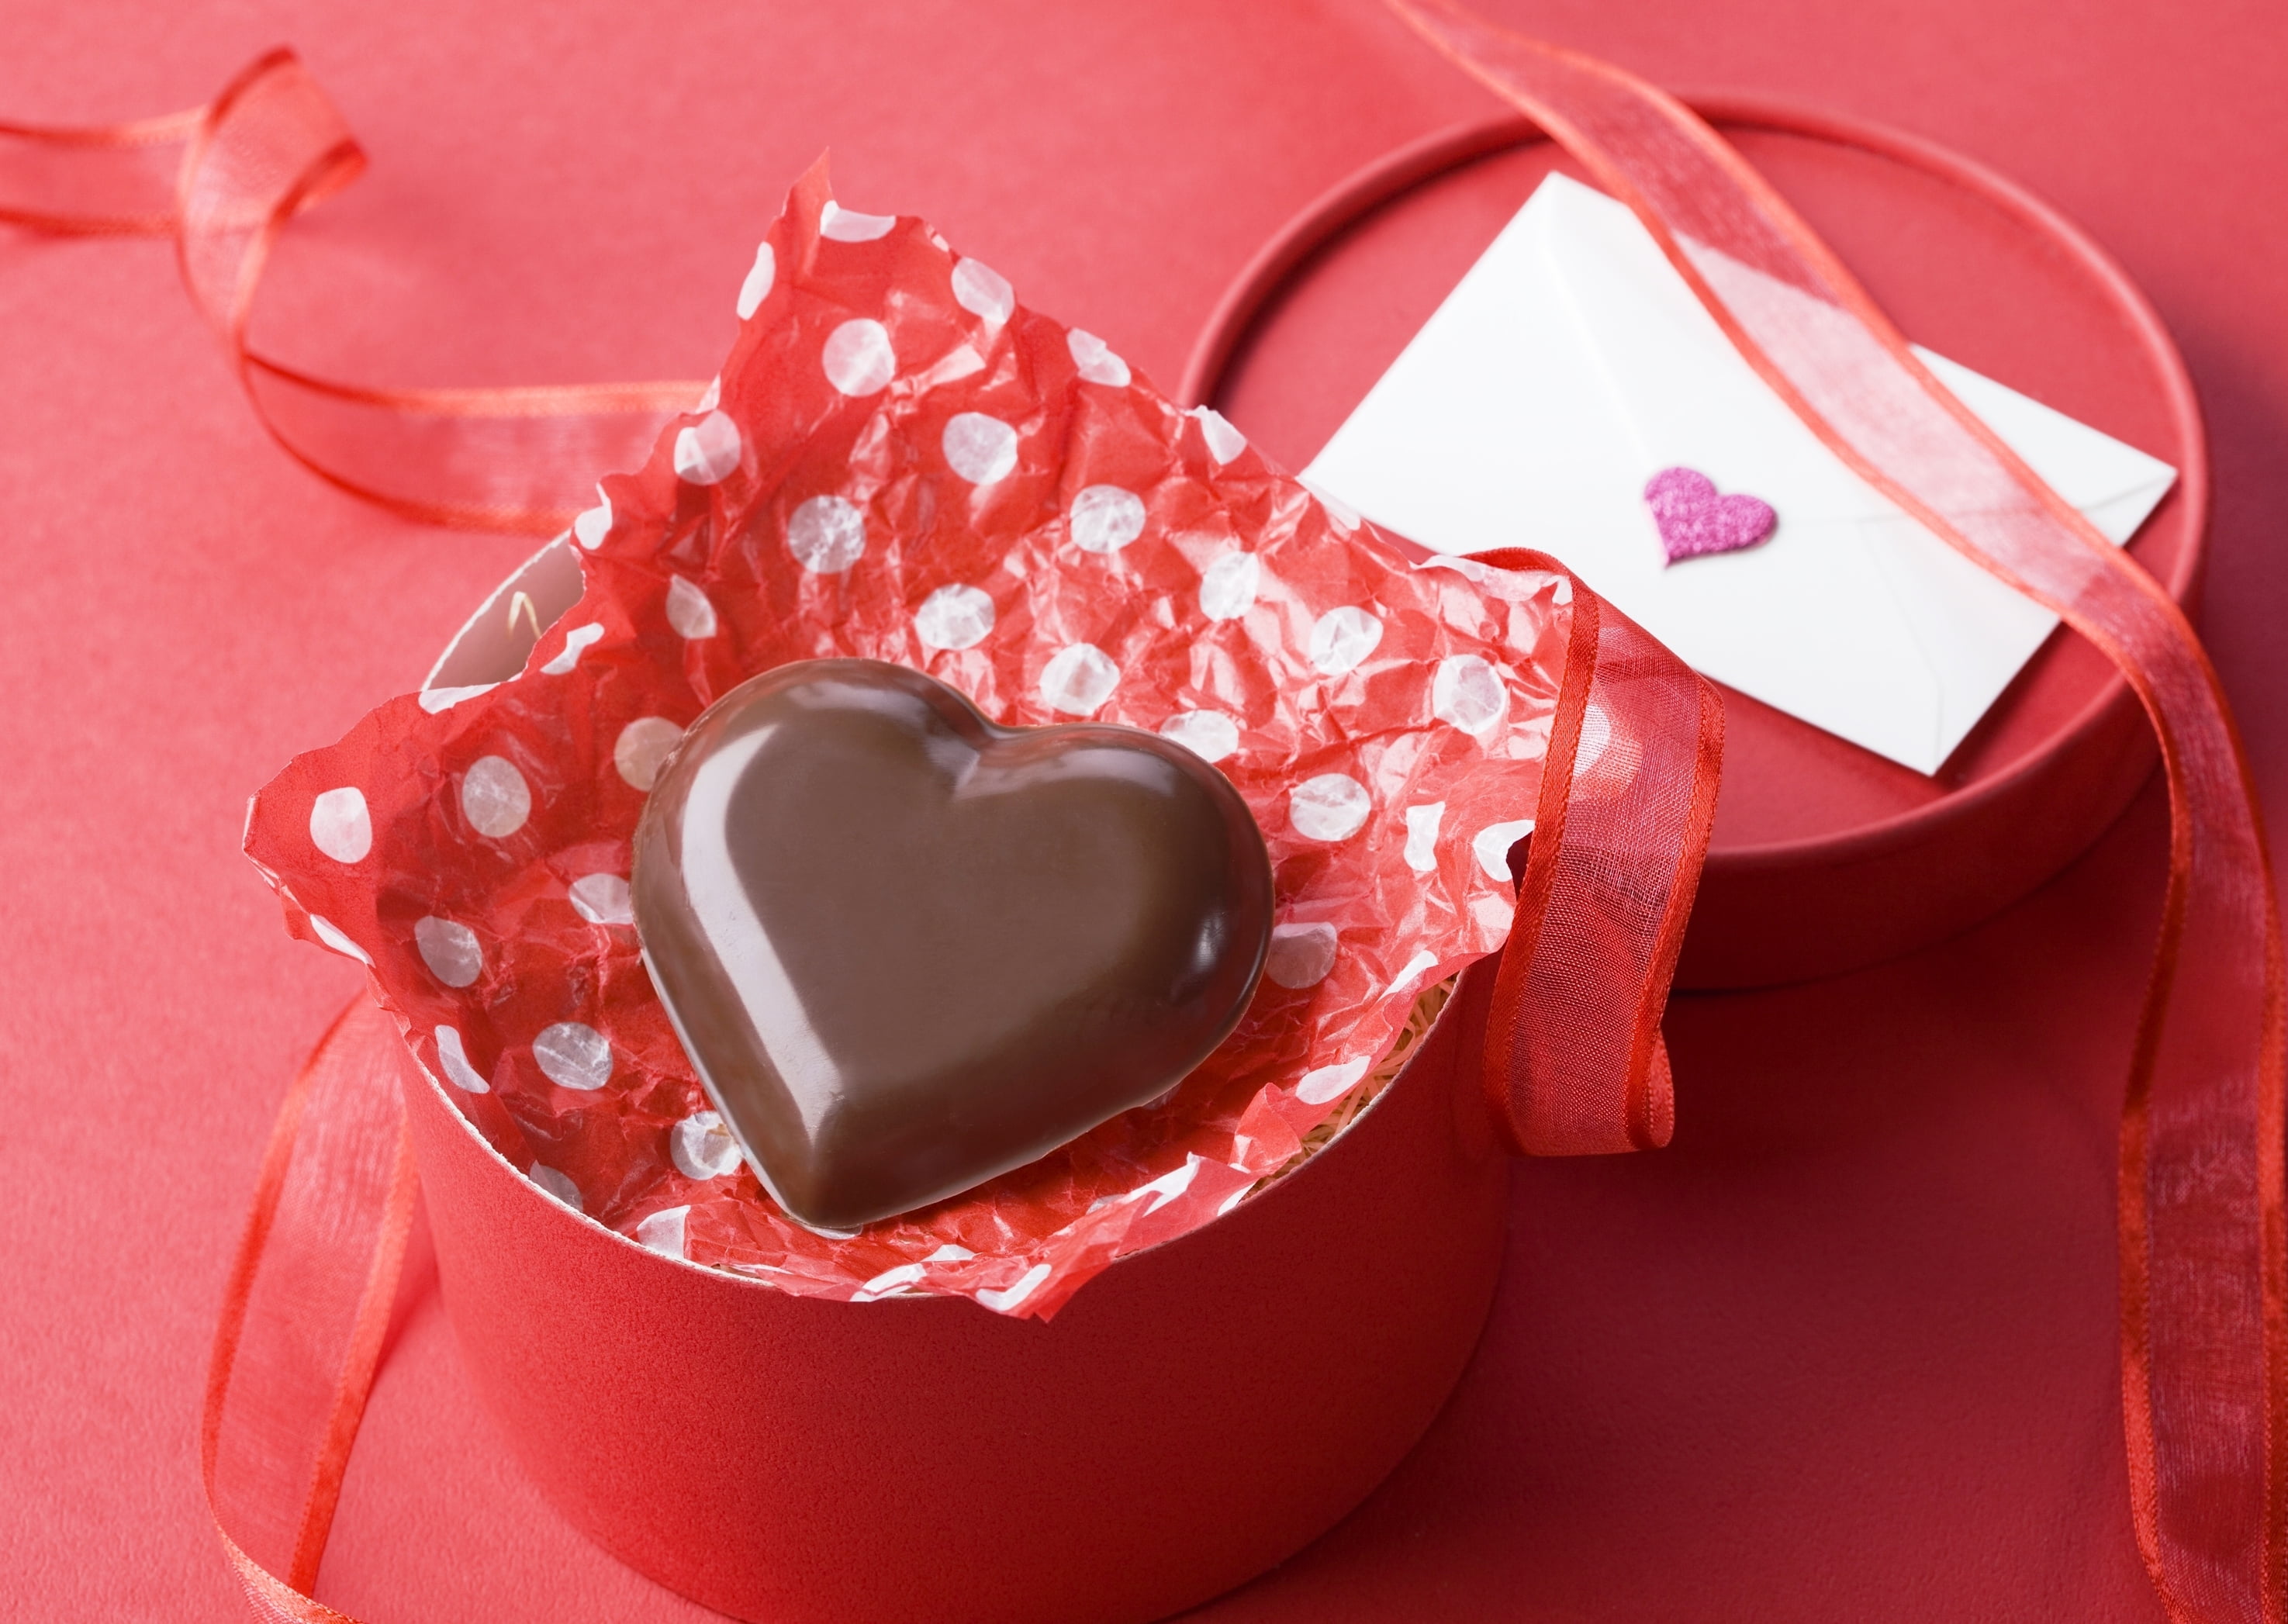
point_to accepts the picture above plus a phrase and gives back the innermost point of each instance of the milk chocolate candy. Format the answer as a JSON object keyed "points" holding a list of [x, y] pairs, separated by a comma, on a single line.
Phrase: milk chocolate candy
{"points": [[908, 949]]}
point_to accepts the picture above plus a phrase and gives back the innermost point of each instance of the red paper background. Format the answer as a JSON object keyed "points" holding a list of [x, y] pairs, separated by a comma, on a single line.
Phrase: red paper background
{"points": [[1846, 1350]]}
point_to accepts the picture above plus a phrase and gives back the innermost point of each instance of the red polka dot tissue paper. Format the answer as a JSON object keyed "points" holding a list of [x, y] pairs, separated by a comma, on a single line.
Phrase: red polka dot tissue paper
{"points": [[901, 462]]}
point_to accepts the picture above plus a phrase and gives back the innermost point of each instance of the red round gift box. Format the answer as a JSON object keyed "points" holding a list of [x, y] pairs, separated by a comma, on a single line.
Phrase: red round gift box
{"points": [[1196, 1415], [1825, 858]]}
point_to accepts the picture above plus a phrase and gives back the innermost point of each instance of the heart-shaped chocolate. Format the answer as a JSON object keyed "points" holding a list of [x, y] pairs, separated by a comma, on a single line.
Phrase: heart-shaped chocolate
{"points": [[907, 949], [1697, 523]]}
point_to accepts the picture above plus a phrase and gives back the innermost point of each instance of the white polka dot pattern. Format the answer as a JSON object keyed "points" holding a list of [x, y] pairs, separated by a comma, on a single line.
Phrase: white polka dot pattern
{"points": [[1168, 1186], [858, 359], [1491, 846], [1224, 442], [1422, 823], [435, 701], [1209, 734], [574, 640], [1342, 638], [1415, 969], [593, 525], [688, 610], [1105, 519], [889, 1283], [333, 936], [707, 453], [1002, 1301], [663, 1231], [840, 225], [981, 291], [641, 749], [573, 1055], [602, 899], [757, 287], [981, 449], [1097, 363], [1300, 954], [1331, 1082], [454, 1059], [826, 536], [702, 1147], [1331, 806], [340, 826], [953, 617], [1468, 692], [1227, 586], [450, 950], [495, 798], [1079, 679], [559, 1185]]}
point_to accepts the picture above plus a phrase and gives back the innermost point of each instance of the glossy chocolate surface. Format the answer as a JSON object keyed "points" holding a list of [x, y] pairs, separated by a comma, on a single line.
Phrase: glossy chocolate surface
{"points": [[908, 949]]}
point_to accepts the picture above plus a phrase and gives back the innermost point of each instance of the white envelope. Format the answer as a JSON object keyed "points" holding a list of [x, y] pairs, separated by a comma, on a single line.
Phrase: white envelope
{"points": [[1572, 363]]}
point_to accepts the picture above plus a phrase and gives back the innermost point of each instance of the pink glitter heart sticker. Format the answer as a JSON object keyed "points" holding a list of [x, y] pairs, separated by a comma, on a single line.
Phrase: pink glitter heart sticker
{"points": [[1697, 523]]}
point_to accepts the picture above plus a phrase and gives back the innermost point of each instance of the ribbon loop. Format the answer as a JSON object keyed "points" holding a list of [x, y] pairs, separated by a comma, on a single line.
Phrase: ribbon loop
{"points": [[1574, 1061], [306, 1312], [224, 179]]}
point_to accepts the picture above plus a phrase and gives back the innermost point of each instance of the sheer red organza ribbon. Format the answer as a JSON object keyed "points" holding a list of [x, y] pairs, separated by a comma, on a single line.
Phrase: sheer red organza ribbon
{"points": [[1601, 905], [2201, 1242], [223, 180], [1588, 932], [304, 1313]]}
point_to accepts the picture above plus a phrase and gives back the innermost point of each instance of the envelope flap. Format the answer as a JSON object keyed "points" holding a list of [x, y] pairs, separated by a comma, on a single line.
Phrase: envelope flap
{"points": [[1688, 398]]}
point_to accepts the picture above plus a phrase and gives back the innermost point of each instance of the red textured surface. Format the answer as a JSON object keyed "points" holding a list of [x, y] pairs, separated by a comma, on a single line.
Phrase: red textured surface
{"points": [[1846, 1350]]}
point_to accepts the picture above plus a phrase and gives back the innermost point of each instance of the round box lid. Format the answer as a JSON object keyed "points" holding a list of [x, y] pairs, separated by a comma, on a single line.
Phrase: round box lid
{"points": [[1825, 857]]}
